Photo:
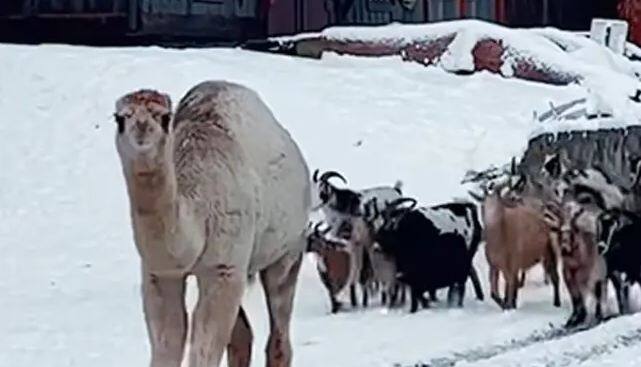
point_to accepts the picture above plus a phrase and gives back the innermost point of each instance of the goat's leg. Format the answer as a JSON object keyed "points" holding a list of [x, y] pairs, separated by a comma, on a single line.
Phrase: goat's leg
{"points": [[220, 290], [476, 283], [615, 277], [451, 294], [547, 276], [384, 292], [365, 294], [494, 286], [240, 347], [166, 318], [455, 294], [336, 305], [522, 279], [403, 291], [279, 283], [461, 293], [625, 289], [425, 302], [578, 305], [433, 295], [598, 298], [416, 296], [352, 295], [552, 271], [511, 290]]}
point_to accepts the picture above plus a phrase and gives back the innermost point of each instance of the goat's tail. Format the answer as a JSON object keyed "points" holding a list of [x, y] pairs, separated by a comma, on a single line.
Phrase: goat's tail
{"points": [[398, 186]]}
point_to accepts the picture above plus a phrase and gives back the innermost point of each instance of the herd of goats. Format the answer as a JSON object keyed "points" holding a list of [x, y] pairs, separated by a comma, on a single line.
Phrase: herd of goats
{"points": [[378, 240]]}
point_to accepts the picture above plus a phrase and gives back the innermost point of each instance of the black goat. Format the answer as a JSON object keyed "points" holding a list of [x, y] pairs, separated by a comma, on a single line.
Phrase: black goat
{"points": [[618, 236], [431, 247]]}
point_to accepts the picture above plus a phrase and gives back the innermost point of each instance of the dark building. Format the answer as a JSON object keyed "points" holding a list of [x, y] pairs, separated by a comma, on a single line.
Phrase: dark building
{"points": [[237, 20]]}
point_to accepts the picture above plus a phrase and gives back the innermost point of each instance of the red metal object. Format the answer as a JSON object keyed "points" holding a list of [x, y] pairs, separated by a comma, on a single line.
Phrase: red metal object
{"points": [[499, 11], [630, 10], [462, 8]]}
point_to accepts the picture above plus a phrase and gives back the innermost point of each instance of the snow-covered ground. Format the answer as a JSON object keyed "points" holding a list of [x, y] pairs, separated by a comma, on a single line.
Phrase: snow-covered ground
{"points": [[69, 277]]}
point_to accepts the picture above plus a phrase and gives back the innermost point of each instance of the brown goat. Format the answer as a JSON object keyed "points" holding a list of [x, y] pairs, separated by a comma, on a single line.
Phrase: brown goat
{"points": [[334, 264], [517, 238], [584, 270]]}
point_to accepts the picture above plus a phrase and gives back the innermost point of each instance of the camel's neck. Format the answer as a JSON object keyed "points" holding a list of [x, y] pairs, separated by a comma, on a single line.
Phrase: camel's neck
{"points": [[152, 189]]}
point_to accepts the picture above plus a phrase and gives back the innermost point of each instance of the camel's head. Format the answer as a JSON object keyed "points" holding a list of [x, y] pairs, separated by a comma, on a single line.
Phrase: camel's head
{"points": [[143, 118]]}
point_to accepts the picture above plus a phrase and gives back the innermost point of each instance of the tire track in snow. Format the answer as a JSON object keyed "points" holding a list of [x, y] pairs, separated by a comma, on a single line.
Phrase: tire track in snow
{"points": [[485, 353], [620, 341]]}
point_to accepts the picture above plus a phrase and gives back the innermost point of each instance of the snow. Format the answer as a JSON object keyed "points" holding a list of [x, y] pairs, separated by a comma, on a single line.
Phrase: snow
{"points": [[609, 107], [446, 222], [69, 271], [547, 49]]}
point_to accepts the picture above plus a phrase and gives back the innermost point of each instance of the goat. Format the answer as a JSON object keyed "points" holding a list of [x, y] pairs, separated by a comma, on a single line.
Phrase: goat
{"points": [[517, 238], [430, 249], [346, 266], [385, 274], [343, 209], [618, 234], [584, 270], [334, 264], [467, 212], [347, 201]]}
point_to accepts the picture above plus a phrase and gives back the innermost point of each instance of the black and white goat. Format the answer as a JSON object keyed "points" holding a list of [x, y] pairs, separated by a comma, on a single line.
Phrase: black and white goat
{"points": [[618, 235], [433, 247], [343, 210], [335, 200]]}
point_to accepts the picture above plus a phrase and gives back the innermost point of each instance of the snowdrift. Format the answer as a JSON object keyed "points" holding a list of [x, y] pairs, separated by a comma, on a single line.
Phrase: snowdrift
{"points": [[466, 46]]}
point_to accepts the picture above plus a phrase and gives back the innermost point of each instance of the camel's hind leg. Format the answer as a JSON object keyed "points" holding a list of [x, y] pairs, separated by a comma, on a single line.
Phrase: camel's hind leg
{"points": [[220, 291], [279, 283], [166, 317], [240, 347]]}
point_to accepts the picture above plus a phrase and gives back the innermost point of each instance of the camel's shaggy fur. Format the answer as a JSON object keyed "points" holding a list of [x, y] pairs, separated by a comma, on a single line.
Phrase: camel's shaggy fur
{"points": [[220, 191]]}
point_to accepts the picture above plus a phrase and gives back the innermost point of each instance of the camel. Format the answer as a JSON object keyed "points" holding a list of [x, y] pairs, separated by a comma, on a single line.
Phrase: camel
{"points": [[220, 191]]}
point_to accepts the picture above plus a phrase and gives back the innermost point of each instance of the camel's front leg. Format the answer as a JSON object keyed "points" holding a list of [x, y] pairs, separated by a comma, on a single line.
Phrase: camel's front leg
{"points": [[166, 317], [279, 283], [219, 295]]}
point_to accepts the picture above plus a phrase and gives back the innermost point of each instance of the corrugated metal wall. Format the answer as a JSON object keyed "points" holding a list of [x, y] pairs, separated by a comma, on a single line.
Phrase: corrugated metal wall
{"points": [[32, 7], [226, 8]]}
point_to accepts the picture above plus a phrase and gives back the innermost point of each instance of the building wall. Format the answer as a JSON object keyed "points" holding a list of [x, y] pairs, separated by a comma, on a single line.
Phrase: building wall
{"points": [[630, 10]]}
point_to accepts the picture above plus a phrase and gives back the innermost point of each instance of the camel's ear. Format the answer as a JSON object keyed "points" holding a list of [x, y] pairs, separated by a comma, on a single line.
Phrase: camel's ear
{"points": [[167, 101], [120, 120], [165, 120]]}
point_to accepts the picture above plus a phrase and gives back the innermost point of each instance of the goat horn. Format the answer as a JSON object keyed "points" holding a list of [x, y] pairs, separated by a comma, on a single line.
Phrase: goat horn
{"points": [[397, 202], [329, 174], [315, 176], [475, 196], [317, 231]]}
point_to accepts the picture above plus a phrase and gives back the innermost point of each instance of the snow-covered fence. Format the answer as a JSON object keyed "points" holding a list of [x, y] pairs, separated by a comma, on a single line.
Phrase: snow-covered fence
{"points": [[467, 46]]}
